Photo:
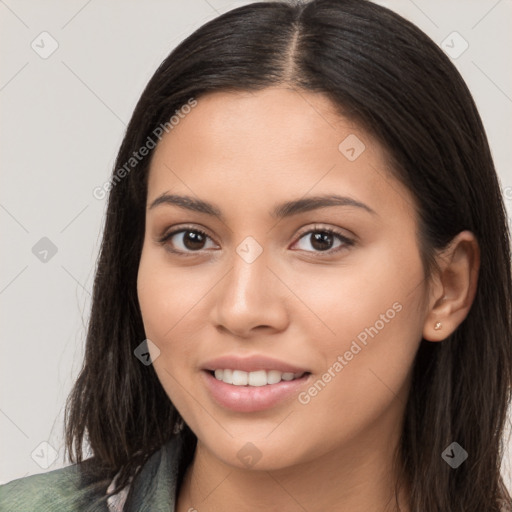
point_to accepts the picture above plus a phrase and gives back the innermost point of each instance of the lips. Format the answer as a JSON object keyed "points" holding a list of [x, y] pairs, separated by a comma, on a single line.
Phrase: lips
{"points": [[251, 399], [252, 364], [252, 382]]}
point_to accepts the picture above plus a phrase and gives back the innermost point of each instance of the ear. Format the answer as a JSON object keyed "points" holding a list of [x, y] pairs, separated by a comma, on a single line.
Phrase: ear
{"points": [[453, 288]]}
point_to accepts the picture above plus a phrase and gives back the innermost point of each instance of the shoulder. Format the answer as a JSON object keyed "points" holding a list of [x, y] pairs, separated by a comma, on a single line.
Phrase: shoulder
{"points": [[76, 488], [67, 489]]}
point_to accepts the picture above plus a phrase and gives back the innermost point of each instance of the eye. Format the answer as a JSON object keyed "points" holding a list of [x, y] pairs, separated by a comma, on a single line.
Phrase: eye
{"points": [[323, 239], [185, 240]]}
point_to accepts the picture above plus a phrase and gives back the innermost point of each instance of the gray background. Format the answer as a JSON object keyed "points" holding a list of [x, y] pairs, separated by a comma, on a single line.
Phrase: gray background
{"points": [[63, 118]]}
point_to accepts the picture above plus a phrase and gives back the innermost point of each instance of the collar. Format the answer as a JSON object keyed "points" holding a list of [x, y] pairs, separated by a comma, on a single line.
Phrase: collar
{"points": [[154, 489]]}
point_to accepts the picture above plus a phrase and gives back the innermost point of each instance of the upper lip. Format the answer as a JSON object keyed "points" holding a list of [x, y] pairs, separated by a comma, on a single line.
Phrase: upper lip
{"points": [[251, 364]]}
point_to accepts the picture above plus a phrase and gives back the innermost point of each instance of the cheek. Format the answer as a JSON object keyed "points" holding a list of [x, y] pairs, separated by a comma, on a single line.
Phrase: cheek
{"points": [[174, 308], [371, 338], [168, 300], [166, 295], [375, 295], [365, 378], [374, 315]]}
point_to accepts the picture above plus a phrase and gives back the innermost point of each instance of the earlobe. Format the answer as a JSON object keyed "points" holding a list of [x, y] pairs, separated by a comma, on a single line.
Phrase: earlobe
{"points": [[434, 330], [455, 289]]}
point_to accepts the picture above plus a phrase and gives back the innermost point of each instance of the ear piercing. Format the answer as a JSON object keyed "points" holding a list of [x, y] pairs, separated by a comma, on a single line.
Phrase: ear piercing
{"points": [[439, 325]]}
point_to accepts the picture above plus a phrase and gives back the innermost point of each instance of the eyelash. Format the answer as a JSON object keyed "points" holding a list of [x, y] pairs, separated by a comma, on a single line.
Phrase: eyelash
{"points": [[347, 242]]}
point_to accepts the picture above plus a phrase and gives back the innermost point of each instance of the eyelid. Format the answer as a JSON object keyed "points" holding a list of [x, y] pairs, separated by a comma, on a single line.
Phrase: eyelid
{"points": [[168, 232], [325, 227]]}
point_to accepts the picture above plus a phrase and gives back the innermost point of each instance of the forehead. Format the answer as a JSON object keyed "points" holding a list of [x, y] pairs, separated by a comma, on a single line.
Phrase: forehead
{"points": [[277, 120], [270, 145]]}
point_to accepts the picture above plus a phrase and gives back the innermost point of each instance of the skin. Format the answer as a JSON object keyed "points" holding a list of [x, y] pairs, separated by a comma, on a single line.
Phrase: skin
{"points": [[246, 152]]}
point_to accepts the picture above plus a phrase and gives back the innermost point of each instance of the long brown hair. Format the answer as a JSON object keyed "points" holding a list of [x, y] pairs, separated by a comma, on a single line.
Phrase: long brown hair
{"points": [[388, 76]]}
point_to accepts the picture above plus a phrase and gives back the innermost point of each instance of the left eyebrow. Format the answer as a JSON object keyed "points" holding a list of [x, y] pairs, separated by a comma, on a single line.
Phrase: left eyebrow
{"points": [[312, 203], [280, 211]]}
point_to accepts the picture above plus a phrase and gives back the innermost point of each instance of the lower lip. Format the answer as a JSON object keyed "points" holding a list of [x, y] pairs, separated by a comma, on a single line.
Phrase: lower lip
{"points": [[252, 398]]}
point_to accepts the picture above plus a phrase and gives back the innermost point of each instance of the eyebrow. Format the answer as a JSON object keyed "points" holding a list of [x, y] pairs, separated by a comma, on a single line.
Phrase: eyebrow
{"points": [[280, 211]]}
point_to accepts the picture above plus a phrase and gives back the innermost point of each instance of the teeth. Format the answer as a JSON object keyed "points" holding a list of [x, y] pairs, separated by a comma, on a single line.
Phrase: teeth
{"points": [[257, 378], [240, 378], [273, 376]]}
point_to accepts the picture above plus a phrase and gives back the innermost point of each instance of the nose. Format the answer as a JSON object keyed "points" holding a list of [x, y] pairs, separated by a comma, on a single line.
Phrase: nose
{"points": [[250, 299]]}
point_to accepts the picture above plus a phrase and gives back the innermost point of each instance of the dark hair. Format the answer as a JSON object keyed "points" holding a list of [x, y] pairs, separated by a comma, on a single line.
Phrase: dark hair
{"points": [[386, 75]]}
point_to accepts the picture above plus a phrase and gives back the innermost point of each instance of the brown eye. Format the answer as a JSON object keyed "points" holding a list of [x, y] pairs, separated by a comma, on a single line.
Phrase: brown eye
{"points": [[323, 240], [186, 240]]}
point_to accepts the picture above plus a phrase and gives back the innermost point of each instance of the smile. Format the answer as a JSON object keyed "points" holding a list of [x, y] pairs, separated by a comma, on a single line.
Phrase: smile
{"points": [[268, 388], [257, 378]]}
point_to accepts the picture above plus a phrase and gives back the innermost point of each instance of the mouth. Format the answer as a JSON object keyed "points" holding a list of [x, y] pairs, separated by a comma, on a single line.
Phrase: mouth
{"points": [[259, 390], [256, 378]]}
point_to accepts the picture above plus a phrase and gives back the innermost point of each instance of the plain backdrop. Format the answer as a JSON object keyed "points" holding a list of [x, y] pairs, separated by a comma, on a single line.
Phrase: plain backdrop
{"points": [[70, 75]]}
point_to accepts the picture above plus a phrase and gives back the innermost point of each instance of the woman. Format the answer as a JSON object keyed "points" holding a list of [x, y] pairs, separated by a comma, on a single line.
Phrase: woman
{"points": [[302, 300]]}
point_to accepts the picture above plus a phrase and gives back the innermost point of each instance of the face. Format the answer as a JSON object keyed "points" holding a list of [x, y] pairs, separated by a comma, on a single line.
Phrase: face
{"points": [[328, 292]]}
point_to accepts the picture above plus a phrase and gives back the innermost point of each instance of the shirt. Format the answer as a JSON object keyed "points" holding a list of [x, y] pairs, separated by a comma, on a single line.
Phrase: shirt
{"points": [[68, 489]]}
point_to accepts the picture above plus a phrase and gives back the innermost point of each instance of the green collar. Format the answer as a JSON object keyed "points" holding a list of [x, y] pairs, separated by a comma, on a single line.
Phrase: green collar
{"points": [[72, 489], [154, 488]]}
